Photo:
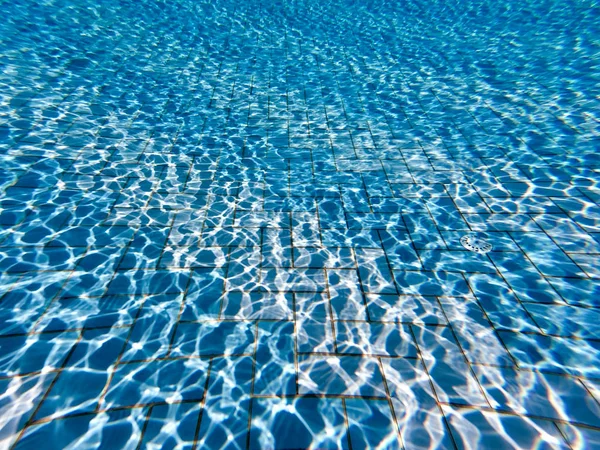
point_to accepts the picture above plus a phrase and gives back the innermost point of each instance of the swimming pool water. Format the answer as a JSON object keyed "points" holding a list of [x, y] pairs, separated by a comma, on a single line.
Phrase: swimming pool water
{"points": [[230, 224]]}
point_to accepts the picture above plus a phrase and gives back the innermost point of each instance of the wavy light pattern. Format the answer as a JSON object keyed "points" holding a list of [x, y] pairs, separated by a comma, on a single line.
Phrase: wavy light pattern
{"points": [[230, 224]]}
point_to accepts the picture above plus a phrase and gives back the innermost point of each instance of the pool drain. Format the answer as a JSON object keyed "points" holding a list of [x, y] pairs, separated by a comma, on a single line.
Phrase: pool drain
{"points": [[476, 243]]}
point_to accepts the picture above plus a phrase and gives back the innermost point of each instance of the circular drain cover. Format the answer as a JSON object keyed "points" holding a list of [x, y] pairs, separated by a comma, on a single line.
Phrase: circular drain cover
{"points": [[476, 243]]}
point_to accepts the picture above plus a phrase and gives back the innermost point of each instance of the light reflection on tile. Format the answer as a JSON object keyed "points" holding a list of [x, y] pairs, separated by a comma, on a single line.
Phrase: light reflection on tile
{"points": [[230, 224]]}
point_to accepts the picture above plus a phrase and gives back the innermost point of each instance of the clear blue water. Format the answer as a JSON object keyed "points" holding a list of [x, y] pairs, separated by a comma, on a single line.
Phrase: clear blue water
{"points": [[236, 224]]}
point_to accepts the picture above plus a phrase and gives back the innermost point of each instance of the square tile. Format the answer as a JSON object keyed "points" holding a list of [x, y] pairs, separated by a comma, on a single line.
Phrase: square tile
{"points": [[156, 381]]}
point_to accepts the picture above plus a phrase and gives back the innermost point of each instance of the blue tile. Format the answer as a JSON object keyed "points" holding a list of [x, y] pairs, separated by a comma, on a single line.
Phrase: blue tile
{"points": [[331, 212], [145, 248], [430, 283], [588, 264], [293, 280], [553, 354], [456, 261], [314, 335], [19, 398], [225, 418], [171, 426], [405, 308], [32, 353], [148, 282], [78, 312], [266, 219], [545, 254], [150, 336], [342, 237], [528, 393], [399, 249], [115, 429], [500, 304], [76, 390], [578, 436], [345, 295], [474, 332], [479, 429], [140, 217], [501, 222], [396, 205], [419, 417], [374, 271], [193, 257], [305, 230], [452, 379], [324, 257], [275, 369], [280, 201], [332, 375], [257, 305], [298, 423], [30, 259], [203, 295], [522, 205], [379, 339], [274, 255], [97, 349], [371, 424], [26, 299], [446, 215], [525, 280], [213, 338], [559, 320], [578, 291], [156, 381], [374, 221]]}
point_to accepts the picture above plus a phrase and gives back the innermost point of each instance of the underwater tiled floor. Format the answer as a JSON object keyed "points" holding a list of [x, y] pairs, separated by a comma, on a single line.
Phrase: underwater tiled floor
{"points": [[231, 224]]}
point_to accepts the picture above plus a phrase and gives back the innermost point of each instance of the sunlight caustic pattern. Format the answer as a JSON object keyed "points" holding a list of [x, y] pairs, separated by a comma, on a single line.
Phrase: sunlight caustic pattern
{"points": [[237, 224]]}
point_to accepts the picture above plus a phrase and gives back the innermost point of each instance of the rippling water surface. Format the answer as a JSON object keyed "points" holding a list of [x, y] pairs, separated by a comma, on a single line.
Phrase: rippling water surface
{"points": [[237, 224]]}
